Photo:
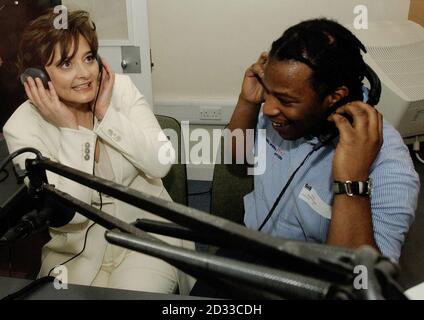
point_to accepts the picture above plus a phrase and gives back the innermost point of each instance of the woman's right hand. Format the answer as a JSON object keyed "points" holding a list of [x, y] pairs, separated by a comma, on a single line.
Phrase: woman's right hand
{"points": [[252, 90], [49, 105]]}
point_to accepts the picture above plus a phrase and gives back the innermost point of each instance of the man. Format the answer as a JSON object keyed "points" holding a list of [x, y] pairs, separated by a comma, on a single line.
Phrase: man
{"points": [[315, 67], [312, 70]]}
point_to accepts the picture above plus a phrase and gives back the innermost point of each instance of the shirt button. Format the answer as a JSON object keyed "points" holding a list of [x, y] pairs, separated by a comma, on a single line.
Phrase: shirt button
{"points": [[87, 157], [87, 145]]}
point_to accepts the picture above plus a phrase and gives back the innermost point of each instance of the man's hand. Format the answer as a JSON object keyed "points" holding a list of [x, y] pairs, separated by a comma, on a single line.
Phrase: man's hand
{"points": [[48, 104], [105, 95], [252, 90], [245, 115], [359, 142]]}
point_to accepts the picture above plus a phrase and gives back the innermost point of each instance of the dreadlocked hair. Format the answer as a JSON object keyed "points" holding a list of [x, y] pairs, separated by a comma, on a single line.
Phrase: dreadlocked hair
{"points": [[330, 50]]}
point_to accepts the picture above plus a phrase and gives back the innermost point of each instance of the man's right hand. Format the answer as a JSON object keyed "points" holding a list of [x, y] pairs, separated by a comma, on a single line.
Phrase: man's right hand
{"points": [[252, 90]]}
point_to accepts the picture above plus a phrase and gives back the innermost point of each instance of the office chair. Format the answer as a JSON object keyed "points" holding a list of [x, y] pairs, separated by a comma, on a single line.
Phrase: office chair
{"points": [[176, 180]]}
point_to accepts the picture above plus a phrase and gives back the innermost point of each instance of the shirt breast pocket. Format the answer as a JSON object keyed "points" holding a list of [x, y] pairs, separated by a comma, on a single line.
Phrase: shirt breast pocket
{"points": [[315, 212]]}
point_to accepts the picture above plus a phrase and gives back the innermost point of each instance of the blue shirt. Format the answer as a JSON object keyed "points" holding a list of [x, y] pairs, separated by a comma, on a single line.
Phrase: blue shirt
{"points": [[304, 212]]}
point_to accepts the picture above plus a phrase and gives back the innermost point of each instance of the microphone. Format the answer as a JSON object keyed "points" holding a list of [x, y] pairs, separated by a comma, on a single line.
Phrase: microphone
{"points": [[53, 214], [30, 223], [45, 212]]}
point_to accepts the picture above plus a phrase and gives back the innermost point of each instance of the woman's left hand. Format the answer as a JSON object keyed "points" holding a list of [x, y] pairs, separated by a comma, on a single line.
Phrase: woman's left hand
{"points": [[105, 95], [359, 143]]}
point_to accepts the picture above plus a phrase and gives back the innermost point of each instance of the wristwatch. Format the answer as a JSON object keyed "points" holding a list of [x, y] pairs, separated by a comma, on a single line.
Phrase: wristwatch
{"points": [[353, 188]]}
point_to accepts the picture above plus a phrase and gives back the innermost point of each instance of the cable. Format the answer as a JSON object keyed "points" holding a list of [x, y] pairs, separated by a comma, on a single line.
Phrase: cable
{"points": [[75, 256], [416, 148], [85, 237], [283, 191], [93, 109], [12, 156]]}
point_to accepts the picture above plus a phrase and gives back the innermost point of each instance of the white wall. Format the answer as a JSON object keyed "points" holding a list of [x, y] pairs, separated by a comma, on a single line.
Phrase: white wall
{"points": [[201, 48]]}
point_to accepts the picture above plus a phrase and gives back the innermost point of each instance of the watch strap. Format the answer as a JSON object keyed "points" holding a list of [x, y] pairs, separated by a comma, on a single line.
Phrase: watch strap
{"points": [[352, 188]]}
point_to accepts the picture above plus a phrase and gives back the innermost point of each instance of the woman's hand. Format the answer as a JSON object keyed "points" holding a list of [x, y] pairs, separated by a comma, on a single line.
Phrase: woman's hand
{"points": [[48, 104], [252, 90], [359, 143], [105, 95]]}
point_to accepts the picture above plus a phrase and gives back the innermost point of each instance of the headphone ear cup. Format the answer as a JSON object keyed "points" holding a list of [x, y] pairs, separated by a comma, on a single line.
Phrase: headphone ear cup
{"points": [[36, 72]]}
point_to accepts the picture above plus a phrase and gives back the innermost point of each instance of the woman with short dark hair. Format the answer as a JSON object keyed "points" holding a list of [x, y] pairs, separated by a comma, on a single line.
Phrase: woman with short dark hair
{"points": [[88, 118]]}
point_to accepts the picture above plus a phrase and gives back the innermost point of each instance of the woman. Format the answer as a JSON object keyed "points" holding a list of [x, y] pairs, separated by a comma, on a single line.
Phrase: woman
{"points": [[97, 122]]}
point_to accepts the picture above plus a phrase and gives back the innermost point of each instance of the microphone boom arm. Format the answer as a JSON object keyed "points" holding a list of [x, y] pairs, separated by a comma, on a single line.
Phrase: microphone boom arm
{"points": [[290, 269]]}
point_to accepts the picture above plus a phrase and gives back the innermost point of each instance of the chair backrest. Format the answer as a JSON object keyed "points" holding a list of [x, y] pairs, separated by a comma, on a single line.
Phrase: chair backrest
{"points": [[230, 184], [176, 180]]}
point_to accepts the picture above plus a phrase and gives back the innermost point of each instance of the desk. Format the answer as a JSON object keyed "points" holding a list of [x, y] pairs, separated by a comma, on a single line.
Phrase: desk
{"points": [[77, 292]]}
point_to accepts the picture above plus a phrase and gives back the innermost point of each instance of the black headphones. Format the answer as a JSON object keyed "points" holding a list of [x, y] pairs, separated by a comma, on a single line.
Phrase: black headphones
{"points": [[375, 86]]}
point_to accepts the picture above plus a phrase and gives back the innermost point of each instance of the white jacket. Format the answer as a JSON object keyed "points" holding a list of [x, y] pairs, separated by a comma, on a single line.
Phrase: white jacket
{"points": [[130, 133]]}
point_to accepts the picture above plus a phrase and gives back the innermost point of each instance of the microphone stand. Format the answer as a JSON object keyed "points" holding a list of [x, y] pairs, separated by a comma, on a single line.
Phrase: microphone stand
{"points": [[289, 269]]}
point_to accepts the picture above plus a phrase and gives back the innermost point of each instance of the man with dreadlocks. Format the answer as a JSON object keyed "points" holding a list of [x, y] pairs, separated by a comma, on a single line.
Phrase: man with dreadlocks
{"points": [[360, 188]]}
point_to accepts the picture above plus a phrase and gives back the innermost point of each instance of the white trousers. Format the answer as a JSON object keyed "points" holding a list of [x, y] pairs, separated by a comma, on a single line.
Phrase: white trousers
{"points": [[130, 270]]}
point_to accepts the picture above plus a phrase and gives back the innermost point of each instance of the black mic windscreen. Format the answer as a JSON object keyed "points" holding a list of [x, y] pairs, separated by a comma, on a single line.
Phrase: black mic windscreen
{"points": [[59, 214]]}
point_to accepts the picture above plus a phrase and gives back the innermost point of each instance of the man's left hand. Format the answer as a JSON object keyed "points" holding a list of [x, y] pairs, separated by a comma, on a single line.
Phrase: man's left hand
{"points": [[359, 143]]}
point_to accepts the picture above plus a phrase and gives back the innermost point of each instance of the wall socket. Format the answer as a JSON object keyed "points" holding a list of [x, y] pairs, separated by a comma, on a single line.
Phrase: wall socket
{"points": [[210, 113]]}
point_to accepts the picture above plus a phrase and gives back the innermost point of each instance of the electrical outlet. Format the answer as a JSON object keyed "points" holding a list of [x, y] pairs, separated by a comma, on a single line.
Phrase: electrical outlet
{"points": [[210, 113]]}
